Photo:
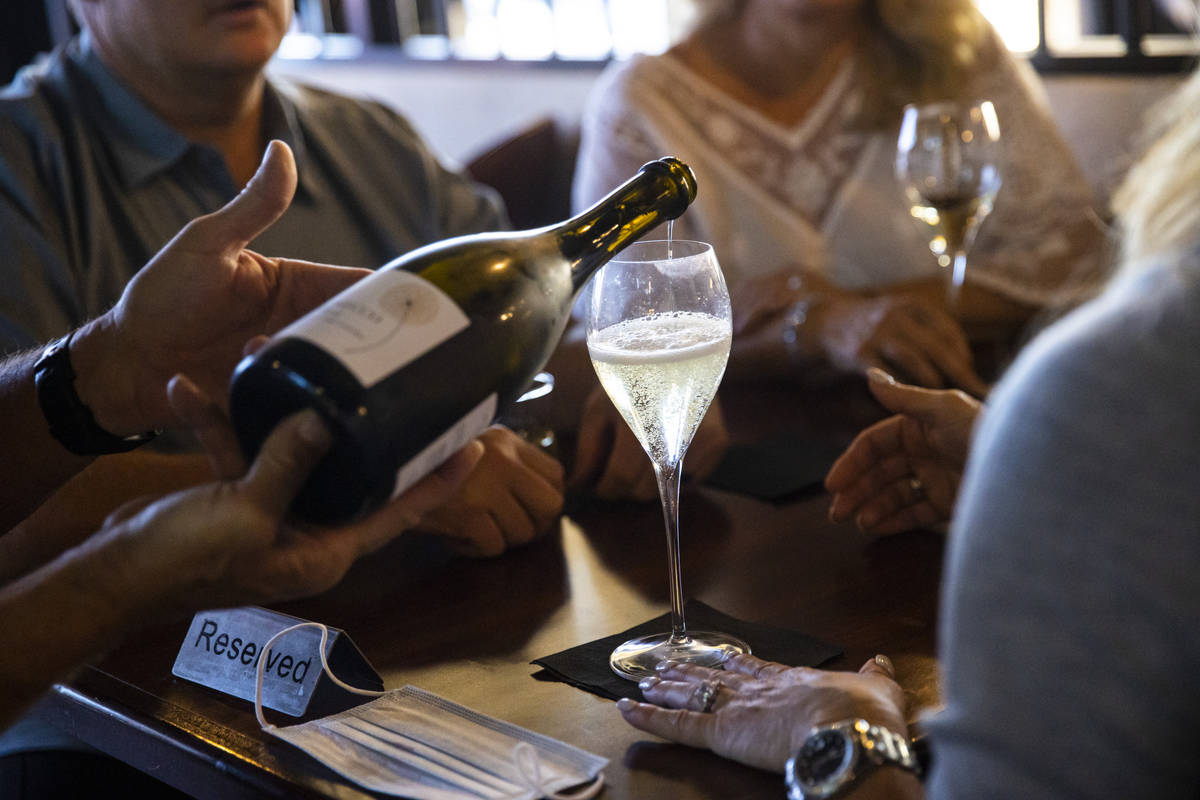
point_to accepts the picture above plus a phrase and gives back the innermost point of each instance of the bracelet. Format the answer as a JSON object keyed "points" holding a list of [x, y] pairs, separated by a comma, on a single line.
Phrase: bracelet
{"points": [[71, 422], [794, 321]]}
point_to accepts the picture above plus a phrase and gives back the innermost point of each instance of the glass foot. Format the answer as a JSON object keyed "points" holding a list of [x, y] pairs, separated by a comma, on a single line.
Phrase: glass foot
{"points": [[637, 658]]}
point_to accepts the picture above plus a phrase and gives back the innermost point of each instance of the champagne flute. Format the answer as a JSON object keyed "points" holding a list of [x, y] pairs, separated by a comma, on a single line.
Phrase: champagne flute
{"points": [[948, 161], [658, 333]]}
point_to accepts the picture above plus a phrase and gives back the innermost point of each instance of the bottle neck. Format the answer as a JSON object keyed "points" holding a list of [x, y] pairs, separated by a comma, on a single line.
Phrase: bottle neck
{"points": [[593, 237]]}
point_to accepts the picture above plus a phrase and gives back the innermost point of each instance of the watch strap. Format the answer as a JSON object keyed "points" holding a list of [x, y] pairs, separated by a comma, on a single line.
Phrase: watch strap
{"points": [[870, 746], [71, 421]]}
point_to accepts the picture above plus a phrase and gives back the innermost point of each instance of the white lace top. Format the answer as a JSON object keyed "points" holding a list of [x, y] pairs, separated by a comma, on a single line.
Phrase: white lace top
{"points": [[822, 194]]}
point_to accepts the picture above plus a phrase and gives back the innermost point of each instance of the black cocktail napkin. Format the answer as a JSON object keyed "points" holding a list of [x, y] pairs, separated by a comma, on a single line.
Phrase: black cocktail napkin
{"points": [[778, 468], [586, 666]]}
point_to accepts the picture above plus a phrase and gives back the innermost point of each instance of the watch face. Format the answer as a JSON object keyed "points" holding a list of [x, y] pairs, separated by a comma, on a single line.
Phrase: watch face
{"points": [[823, 763]]}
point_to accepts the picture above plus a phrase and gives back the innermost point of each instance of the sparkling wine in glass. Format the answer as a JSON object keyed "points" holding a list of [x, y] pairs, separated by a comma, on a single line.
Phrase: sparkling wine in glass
{"points": [[948, 161], [658, 333]]}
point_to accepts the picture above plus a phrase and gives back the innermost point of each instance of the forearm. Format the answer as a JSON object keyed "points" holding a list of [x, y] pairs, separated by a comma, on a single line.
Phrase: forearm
{"points": [[58, 617], [80, 507], [32, 471], [34, 462]]}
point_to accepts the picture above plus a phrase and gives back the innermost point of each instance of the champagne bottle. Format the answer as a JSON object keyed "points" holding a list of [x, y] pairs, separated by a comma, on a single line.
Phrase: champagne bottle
{"points": [[412, 362]]}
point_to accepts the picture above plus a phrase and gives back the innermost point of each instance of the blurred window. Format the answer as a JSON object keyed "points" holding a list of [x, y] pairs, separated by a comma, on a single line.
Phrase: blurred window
{"points": [[1057, 35]]}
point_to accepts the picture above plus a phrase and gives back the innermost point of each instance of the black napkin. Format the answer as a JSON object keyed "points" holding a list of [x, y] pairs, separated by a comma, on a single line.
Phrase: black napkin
{"points": [[777, 468], [586, 666]]}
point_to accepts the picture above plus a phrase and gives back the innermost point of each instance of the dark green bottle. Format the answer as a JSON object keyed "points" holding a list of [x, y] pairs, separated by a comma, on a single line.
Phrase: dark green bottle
{"points": [[413, 361]]}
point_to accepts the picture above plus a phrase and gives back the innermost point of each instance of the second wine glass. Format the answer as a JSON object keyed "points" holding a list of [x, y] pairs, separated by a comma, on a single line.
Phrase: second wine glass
{"points": [[658, 332], [948, 162]]}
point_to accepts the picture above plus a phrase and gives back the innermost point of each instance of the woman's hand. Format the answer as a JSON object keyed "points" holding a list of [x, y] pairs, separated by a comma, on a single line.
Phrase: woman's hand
{"points": [[903, 473], [901, 334], [514, 496], [610, 460], [762, 711], [802, 317], [230, 542]]}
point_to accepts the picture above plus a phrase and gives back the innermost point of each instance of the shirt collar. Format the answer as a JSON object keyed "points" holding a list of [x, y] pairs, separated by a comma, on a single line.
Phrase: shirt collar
{"points": [[144, 145]]}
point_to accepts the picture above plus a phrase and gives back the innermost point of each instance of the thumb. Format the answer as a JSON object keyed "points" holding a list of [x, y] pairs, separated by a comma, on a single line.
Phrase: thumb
{"points": [[903, 398], [264, 199], [285, 461]]}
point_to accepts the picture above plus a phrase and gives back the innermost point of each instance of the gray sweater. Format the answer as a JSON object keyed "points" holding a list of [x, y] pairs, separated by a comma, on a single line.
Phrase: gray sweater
{"points": [[1070, 629]]}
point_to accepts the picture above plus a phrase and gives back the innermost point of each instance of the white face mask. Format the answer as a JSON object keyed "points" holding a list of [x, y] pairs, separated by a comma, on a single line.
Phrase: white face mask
{"points": [[411, 743]]}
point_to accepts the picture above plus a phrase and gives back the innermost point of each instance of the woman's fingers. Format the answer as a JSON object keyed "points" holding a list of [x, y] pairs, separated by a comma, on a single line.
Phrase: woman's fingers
{"points": [[880, 481], [682, 694], [882, 440], [754, 667], [692, 728], [694, 673]]}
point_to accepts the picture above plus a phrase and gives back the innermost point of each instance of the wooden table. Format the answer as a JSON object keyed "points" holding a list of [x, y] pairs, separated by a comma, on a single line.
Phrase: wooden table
{"points": [[467, 630]]}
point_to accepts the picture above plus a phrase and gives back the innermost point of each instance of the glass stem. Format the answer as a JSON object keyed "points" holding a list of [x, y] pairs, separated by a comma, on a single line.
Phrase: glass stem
{"points": [[668, 489], [957, 273]]}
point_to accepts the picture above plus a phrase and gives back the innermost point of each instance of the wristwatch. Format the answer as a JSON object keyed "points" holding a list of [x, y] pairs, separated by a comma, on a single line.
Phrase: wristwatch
{"points": [[834, 756], [71, 422]]}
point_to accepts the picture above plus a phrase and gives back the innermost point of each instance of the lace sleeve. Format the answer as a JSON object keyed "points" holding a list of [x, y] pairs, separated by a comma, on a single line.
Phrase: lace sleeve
{"points": [[1044, 243]]}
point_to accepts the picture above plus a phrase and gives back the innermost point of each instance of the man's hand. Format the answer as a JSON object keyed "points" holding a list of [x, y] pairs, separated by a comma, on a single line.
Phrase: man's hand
{"points": [[610, 459], [903, 473], [514, 496], [195, 305], [230, 542]]}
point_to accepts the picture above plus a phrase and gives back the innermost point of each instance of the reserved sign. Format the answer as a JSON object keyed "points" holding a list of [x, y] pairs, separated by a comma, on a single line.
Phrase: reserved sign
{"points": [[222, 649]]}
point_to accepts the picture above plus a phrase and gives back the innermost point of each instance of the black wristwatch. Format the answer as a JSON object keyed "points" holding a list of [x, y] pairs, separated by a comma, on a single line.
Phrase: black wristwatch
{"points": [[71, 422], [834, 756]]}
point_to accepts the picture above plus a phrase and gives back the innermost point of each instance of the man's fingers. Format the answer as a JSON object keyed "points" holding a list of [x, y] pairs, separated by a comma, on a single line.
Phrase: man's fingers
{"points": [[266, 196], [285, 461], [200, 413], [308, 285], [686, 727]]}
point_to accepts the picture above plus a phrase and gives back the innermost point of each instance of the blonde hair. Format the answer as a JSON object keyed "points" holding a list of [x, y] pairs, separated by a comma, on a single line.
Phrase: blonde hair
{"points": [[917, 51], [1158, 203]]}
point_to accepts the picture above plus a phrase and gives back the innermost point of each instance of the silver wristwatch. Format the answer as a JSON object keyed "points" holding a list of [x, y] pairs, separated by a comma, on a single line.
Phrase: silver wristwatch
{"points": [[834, 756]]}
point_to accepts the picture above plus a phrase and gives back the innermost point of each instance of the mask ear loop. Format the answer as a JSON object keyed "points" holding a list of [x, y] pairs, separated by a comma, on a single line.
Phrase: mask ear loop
{"points": [[262, 661], [528, 766]]}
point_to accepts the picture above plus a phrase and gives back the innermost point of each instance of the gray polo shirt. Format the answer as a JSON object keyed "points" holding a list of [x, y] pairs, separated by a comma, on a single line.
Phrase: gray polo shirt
{"points": [[93, 183]]}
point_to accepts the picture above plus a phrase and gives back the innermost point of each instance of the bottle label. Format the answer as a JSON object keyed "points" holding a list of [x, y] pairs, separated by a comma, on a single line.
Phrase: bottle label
{"points": [[454, 439], [381, 323]]}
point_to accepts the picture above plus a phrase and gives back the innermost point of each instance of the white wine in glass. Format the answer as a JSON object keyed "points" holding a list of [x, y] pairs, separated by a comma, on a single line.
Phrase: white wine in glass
{"points": [[948, 161], [659, 330]]}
